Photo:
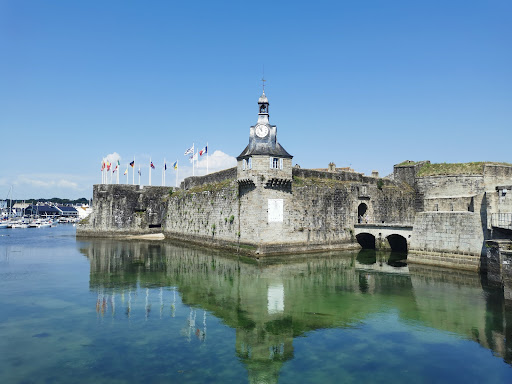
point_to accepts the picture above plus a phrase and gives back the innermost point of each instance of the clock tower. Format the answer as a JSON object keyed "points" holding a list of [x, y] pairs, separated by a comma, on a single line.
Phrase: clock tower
{"points": [[264, 175], [264, 159]]}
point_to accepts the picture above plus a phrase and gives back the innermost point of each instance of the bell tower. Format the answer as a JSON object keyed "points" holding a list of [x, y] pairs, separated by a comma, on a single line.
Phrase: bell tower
{"points": [[264, 159], [264, 175]]}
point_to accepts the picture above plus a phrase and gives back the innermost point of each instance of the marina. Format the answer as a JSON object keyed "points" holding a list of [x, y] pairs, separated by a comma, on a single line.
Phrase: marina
{"points": [[107, 310]]}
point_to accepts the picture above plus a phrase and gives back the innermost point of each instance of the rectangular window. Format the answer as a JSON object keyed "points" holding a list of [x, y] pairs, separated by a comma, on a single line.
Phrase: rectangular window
{"points": [[243, 164], [280, 163], [249, 163], [274, 163]]}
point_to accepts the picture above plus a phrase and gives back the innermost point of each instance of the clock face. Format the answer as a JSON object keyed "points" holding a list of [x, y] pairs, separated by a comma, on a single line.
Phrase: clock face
{"points": [[261, 130]]}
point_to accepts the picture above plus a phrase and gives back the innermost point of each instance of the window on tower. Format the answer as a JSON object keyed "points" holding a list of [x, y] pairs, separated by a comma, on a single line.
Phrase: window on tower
{"points": [[274, 163]]}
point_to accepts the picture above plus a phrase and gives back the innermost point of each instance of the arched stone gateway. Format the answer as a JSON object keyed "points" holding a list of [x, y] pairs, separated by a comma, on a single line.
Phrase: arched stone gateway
{"points": [[361, 211], [366, 240], [397, 243]]}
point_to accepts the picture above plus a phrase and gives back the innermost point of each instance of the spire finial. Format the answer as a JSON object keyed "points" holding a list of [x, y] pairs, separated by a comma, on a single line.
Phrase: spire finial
{"points": [[263, 79]]}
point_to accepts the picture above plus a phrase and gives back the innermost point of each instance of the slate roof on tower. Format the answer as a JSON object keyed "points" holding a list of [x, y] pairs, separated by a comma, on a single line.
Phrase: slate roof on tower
{"points": [[267, 145], [277, 151]]}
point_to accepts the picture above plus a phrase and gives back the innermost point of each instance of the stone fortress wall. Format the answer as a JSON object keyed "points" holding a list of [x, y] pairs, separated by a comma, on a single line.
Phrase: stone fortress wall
{"points": [[451, 222], [442, 213]]}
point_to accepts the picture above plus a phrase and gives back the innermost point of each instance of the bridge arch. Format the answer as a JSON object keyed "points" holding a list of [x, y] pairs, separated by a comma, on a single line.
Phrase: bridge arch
{"points": [[366, 240], [398, 243]]}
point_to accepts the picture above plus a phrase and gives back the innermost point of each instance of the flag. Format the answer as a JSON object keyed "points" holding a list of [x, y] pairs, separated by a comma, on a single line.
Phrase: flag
{"points": [[175, 165], [139, 173], [152, 165], [118, 163], [132, 163], [165, 166], [102, 166], [189, 151], [203, 151], [108, 166], [193, 157], [125, 172]]}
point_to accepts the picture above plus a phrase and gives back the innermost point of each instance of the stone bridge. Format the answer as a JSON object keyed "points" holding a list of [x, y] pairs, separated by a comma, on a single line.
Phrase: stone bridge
{"points": [[384, 236]]}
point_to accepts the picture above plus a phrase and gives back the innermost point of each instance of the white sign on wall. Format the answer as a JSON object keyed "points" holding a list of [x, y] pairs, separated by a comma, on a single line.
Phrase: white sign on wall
{"points": [[275, 210]]}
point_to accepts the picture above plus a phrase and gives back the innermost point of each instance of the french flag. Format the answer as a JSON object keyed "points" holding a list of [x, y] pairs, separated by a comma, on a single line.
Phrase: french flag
{"points": [[203, 151]]}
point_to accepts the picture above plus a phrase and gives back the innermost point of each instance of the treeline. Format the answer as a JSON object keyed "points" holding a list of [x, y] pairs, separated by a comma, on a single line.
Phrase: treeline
{"points": [[54, 200]]}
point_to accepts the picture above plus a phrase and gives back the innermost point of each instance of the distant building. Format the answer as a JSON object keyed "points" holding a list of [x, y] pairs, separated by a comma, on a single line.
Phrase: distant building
{"points": [[51, 210], [67, 211]]}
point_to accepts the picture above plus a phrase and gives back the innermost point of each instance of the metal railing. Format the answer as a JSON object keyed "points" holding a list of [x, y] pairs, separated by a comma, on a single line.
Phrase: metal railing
{"points": [[501, 220]]}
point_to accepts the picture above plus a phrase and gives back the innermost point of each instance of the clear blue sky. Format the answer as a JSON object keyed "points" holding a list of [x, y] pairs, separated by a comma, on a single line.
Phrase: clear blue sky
{"points": [[361, 83]]}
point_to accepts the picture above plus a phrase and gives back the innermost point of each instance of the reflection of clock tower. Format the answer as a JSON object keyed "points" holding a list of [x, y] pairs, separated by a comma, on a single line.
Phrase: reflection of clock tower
{"points": [[264, 174]]}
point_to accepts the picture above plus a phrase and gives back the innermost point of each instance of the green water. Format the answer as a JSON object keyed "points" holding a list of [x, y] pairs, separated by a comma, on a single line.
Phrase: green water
{"points": [[107, 311]]}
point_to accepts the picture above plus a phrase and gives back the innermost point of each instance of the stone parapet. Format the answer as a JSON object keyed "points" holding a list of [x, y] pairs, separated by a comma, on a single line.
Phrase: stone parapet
{"points": [[211, 178]]}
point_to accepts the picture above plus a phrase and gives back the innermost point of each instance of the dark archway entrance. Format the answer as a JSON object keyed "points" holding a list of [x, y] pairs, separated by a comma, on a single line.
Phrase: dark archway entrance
{"points": [[366, 240], [397, 243], [361, 210]]}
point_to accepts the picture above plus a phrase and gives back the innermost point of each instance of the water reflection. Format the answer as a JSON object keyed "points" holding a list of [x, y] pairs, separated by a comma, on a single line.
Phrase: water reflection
{"points": [[271, 305]]}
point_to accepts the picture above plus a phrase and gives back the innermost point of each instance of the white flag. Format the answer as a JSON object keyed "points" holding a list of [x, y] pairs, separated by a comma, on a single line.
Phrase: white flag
{"points": [[189, 151]]}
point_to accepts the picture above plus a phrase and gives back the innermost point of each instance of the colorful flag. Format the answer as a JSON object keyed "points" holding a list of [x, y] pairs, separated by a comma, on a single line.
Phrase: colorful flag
{"points": [[175, 165], [203, 151], [118, 163], [132, 163], [189, 151], [152, 165], [125, 172], [102, 166], [165, 166], [108, 166]]}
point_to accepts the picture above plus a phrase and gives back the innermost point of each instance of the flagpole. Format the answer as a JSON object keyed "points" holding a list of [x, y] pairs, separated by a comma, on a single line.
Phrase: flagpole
{"points": [[163, 170], [193, 154], [206, 157], [150, 171], [177, 170], [133, 171], [127, 173], [139, 175]]}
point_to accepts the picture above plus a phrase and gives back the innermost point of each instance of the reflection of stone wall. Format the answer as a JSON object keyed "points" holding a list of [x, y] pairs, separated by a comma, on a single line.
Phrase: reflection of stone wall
{"points": [[271, 304]]}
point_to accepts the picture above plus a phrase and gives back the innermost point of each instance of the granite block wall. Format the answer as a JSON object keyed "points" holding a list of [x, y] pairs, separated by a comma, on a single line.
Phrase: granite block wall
{"points": [[211, 214], [448, 232], [211, 178], [120, 209]]}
